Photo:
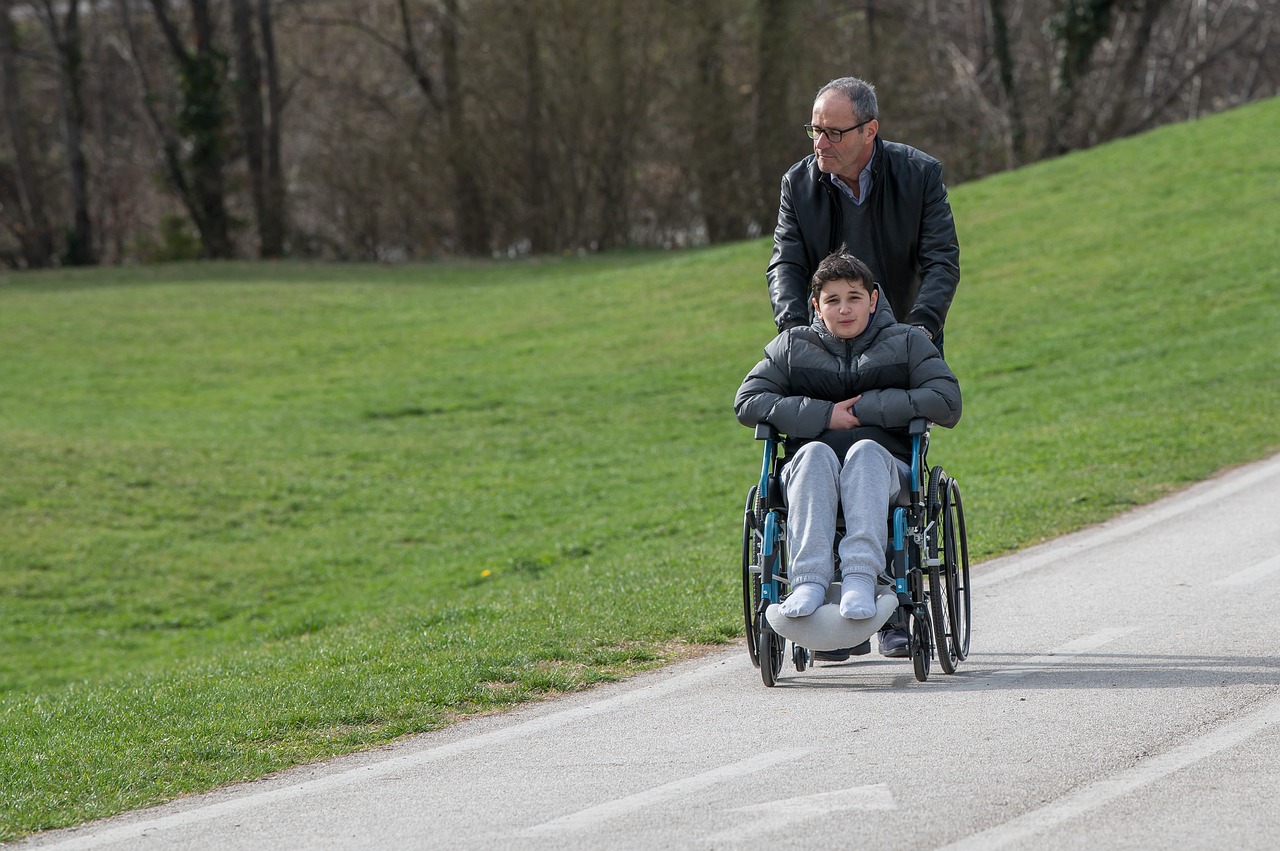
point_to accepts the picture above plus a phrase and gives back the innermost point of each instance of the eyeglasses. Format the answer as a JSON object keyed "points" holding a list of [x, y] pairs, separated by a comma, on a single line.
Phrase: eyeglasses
{"points": [[833, 135]]}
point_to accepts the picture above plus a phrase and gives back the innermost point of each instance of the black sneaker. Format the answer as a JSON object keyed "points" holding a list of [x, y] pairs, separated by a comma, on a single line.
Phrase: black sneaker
{"points": [[843, 654], [895, 643]]}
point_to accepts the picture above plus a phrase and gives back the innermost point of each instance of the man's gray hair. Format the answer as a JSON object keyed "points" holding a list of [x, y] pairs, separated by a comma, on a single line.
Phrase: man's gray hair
{"points": [[859, 92]]}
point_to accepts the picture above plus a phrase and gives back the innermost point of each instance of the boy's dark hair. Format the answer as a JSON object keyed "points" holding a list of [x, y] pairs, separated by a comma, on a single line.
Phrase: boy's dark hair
{"points": [[840, 265]]}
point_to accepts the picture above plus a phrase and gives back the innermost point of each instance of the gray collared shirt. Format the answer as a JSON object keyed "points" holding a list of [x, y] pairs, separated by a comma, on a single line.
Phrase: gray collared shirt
{"points": [[864, 184]]}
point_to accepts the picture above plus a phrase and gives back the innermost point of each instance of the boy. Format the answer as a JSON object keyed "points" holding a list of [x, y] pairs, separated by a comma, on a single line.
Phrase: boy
{"points": [[845, 388]]}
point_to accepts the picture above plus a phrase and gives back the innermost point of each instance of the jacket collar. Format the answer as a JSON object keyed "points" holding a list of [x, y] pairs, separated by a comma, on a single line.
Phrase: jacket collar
{"points": [[877, 160]]}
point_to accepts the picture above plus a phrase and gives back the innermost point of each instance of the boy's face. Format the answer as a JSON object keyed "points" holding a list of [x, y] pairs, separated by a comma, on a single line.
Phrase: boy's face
{"points": [[845, 307]]}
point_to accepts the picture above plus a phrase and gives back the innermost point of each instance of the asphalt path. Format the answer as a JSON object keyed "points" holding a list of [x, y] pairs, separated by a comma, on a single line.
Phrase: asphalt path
{"points": [[1123, 691]]}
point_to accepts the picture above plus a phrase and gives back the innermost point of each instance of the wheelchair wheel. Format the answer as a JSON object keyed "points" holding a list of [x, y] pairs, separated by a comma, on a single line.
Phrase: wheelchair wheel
{"points": [[921, 643], [955, 561], [772, 651], [799, 657], [943, 585], [948, 570], [941, 604], [751, 578], [919, 636]]}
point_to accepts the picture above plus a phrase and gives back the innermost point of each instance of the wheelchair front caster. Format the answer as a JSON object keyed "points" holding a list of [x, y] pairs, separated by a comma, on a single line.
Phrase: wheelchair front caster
{"points": [[921, 644], [772, 650]]}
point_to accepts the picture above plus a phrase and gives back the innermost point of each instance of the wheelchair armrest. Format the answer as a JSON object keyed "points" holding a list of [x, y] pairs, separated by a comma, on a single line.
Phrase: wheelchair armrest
{"points": [[766, 431], [918, 425]]}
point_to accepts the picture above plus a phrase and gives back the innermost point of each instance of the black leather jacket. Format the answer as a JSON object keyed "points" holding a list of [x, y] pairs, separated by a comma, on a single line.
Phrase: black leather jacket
{"points": [[914, 233]]}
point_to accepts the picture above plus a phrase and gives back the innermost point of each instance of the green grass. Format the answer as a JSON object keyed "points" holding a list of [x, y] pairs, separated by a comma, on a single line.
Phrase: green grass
{"points": [[255, 515]]}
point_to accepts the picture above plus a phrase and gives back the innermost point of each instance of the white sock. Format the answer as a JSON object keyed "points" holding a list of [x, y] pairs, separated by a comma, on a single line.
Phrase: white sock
{"points": [[804, 600], [858, 596]]}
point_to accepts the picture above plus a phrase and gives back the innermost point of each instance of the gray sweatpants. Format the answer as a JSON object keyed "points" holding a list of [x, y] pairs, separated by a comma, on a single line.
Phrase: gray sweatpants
{"points": [[816, 485]]}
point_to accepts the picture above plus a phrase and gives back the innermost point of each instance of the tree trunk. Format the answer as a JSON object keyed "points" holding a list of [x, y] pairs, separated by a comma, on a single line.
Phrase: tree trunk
{"points": [[1004, 63], [1129, 76], [249, 100], [873, 50], [471, 220], [206, 123], [539, 207], [1076, 30], [201, 123], [274, 225], [713, 119], [777, 129], [260, 128], [33, 231], [68, 47], [169, 144], [616, 138]]}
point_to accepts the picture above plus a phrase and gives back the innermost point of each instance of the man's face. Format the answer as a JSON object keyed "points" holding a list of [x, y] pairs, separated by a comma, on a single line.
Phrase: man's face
{"points": [[850, 155], [845, 307]]}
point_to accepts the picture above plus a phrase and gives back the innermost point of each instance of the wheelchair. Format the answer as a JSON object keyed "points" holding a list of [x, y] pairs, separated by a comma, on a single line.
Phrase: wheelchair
{"points": [[927, 566]]}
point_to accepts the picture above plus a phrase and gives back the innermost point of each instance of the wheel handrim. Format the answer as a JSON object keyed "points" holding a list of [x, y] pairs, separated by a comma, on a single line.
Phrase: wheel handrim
{"points": [[750, 581], [957, 557]]}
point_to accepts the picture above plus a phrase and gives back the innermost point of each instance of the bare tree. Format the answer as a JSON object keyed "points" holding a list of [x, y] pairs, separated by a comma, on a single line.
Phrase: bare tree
{"points": [[473, 220], [274, 224], [198, 125], [423, 128], [775, 125], [439, 80], [31, 228], [1003, 55], [539, 206], [712, 114], [620, 114], [68, 47], [259, 126]]}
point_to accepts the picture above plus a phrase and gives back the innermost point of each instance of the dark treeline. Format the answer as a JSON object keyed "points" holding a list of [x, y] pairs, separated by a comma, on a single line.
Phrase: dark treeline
{"points": [[139, 130]]}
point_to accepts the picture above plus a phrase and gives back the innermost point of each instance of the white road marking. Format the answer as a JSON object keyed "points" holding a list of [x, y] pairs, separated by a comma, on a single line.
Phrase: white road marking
{"points": [[778, 815], [1020, 830], [1253, 574], [592, 816], [222, 806]]}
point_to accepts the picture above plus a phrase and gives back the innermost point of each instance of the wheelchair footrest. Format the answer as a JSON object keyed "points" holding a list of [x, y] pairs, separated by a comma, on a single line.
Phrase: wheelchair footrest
{"points": [[825, 629]]}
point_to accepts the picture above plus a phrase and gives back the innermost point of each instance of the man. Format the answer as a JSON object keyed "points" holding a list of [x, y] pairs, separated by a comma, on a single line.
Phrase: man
{"points": [[884, 200], [887, 203]]}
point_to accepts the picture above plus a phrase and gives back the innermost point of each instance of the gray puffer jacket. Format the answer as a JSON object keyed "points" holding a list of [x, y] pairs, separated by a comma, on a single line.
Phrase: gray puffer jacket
{"points": [[895, 368]]}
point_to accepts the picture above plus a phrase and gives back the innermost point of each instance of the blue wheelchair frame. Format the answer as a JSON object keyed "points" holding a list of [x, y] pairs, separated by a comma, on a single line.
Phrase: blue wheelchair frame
{"points": [[927, 541]]}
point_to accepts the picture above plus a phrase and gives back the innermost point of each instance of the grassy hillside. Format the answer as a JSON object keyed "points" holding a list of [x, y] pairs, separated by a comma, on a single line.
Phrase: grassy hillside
{"points": [[258, 514]]}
